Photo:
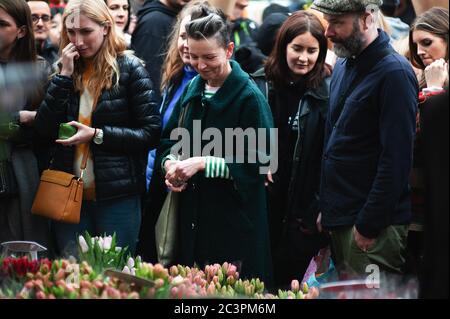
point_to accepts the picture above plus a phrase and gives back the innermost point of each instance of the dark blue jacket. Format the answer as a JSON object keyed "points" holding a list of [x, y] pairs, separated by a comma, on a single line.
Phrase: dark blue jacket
{"points": [[151, 36], [367, 154]]}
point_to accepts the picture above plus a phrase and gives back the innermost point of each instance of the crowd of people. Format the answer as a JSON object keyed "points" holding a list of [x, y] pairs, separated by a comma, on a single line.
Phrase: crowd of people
{"points": [[356, 94]]}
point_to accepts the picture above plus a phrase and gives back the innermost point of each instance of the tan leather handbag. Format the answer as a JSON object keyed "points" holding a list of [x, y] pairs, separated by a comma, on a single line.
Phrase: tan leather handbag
{"points": [[60, 195]]}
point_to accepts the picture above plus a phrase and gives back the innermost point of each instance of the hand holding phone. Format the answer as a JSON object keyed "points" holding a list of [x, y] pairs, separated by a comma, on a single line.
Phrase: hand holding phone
{"points": [[83, 134], [69, 54], [66, 131]]}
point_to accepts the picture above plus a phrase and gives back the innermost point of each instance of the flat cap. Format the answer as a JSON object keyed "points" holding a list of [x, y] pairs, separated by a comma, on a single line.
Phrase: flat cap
{"points": [[337, 7]]}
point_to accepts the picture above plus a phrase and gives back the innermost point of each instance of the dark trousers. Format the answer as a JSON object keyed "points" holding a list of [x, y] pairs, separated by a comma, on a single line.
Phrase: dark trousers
{"points": [[121, 216]]}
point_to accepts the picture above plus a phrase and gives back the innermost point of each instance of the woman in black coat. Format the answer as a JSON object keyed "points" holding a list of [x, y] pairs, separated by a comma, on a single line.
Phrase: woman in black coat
{"points": [[19, 174], [294, 81], [108, 97]]}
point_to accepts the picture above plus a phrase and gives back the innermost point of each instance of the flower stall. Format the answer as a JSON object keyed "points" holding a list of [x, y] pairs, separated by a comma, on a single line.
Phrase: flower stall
{"points": [[105, 271]]}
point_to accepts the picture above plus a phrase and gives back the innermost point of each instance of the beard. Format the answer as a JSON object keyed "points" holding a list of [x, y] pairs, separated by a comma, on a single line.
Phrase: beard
{"points": [[352, 45]]}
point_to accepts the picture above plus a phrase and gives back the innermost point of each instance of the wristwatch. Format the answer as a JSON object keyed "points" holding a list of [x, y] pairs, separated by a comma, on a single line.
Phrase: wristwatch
{"points": [[98, 137]]}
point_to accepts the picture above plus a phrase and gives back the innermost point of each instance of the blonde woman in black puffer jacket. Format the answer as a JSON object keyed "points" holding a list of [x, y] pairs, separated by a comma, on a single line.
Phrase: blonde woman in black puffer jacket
{"points": [[107, 95]]}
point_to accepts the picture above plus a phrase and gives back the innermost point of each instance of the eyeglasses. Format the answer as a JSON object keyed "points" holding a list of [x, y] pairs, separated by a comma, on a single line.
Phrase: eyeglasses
{"points": [[45, 18]]}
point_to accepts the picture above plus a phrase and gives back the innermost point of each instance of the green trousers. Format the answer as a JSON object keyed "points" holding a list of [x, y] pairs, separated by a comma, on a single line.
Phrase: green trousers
{"points": [[388, 252]]}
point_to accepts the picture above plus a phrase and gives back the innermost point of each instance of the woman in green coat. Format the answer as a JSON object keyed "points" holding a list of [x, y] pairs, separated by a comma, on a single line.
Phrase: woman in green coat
{"points": [[223, 214]]}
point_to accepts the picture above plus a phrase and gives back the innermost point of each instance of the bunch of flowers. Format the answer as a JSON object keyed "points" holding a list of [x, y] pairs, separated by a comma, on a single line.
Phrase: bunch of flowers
{"points": [[65, 279], [102, 252], [18, 268], [213, 281]]}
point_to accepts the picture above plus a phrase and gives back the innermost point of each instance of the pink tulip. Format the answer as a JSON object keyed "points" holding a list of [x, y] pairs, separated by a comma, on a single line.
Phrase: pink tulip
{"points": [[29, 284], [231, 280], [113, 293], [64, 264], [211, 289], [40, 295], [85, 293], [159, 271], [133, 295], [174, 271], [150, 293], [295, 285], [174, 292], [159, 283], [232, 270]]}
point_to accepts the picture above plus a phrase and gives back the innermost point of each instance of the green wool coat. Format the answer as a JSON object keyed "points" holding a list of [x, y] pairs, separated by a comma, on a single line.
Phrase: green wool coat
{"points": [[224, 220]]}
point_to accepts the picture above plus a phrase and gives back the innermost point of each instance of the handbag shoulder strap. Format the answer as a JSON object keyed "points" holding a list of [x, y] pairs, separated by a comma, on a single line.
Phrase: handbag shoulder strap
{"points": [[84, 162]]}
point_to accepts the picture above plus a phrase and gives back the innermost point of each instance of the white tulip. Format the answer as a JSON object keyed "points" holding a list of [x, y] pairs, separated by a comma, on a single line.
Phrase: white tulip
{"points": [[100, 242], [126, 270], [83, 244], [130, 263], [107, 243]]}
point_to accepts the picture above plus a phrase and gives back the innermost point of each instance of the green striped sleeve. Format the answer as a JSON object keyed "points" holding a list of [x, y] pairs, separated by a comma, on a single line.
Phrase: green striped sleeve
{"points": [[216, 168]]}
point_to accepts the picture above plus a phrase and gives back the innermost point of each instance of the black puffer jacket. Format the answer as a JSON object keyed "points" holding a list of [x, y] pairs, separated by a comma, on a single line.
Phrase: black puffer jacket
{"points": [[129, 118]]}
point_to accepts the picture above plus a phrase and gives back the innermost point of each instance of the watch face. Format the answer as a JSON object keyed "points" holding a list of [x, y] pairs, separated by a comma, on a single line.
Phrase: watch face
{"points": [[98, 139]]}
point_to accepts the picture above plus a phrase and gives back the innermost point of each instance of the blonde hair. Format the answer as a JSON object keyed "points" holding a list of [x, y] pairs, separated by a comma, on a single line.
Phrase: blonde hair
{"points": [[105, 60], [383, 24], [172, 70]]}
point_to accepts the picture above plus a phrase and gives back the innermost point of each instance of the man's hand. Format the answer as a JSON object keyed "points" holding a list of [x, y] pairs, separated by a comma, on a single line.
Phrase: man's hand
{"points": [[362, 242]]}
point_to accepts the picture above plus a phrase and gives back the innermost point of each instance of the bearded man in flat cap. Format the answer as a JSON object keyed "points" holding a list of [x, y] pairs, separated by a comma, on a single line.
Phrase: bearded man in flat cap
{"points": [[367, 157]]}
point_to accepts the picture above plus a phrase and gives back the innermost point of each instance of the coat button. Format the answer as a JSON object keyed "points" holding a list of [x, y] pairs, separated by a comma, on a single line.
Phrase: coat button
{"points": [[334, 127], [193, 226]]}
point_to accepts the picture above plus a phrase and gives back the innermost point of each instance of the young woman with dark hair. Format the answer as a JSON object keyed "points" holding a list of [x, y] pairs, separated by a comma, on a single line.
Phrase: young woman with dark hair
{"points": [[295, 84], [428, 46]]}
